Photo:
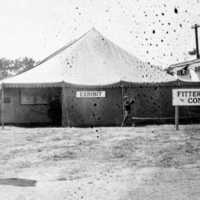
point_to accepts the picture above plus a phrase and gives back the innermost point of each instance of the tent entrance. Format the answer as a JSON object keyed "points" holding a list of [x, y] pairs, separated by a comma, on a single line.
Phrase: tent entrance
{"points": [[55, 111]]}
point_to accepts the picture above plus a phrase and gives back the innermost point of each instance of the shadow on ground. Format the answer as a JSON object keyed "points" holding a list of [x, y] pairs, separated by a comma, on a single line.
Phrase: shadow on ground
{"points": [[18, 182]]}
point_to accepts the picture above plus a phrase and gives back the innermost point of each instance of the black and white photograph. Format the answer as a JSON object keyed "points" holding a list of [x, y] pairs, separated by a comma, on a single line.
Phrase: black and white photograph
{"points": [[99, 100]]}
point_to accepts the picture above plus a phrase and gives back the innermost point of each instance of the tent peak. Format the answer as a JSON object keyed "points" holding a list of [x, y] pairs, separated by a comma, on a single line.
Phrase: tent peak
{"points": [[93, 31]]}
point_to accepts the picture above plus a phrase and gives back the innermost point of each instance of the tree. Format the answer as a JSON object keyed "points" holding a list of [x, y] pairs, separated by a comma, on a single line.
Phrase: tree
{"points": [[13, 67]]}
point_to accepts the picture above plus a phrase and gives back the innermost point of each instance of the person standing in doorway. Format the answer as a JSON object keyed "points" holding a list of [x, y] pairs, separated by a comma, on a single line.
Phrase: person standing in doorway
{"points": [[127, 109]]}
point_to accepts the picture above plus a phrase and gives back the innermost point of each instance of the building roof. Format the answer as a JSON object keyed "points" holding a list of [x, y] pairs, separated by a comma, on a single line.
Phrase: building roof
{"points": [[187, 64]]}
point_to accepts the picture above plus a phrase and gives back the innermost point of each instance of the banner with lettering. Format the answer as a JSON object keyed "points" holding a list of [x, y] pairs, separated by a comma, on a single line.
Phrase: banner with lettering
{"points": [[90, 94]]}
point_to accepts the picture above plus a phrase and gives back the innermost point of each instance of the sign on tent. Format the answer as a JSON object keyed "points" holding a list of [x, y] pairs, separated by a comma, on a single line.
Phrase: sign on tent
{"points": [[186, 97]]}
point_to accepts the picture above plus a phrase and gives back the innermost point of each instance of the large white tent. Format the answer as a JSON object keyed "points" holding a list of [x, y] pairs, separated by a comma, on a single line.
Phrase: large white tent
{"points": [[91, 63], [91, 60]]}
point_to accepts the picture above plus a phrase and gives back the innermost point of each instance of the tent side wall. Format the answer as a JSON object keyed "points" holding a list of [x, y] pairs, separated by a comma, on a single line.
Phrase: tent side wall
{"points": [[153, 103], [94, 111], [150, 102], [27, 105]]}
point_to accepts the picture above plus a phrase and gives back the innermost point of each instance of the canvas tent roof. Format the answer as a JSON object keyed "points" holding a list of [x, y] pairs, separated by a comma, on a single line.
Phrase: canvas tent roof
{"points": [[90, 60]]}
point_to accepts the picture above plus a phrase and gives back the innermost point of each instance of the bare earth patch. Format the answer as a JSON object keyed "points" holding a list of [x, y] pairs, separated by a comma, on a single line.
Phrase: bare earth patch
{"points": [[150, 162]]}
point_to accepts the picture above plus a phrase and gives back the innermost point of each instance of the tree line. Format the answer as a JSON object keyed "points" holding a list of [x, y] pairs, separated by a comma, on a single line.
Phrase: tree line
{"points": [[12, 67]]}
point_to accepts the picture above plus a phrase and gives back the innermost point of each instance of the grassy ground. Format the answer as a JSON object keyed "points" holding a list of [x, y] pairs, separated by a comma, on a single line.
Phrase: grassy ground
{"points": [[151, 162]]}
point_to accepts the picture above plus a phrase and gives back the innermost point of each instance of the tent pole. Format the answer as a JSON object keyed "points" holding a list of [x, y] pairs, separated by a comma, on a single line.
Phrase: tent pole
{"points": [[64, 107], [2, 97], [122, 94]]}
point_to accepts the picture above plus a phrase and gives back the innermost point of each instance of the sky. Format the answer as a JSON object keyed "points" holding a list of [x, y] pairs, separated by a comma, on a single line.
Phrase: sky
{"points": [[154, 31]]}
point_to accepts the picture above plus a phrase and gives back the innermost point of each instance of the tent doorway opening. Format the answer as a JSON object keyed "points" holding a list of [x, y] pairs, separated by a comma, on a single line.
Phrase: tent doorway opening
{"points": [[55, 110]]}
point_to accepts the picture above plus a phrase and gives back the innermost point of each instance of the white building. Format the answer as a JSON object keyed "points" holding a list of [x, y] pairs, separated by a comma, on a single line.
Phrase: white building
{"points": [[189, 70]]}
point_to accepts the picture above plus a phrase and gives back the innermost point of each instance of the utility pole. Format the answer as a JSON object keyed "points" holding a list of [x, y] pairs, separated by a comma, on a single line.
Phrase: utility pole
{"points": [[195, 27]]}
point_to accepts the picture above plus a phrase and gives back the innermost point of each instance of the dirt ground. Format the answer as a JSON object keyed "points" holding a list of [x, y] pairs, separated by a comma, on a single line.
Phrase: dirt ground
{"points": [[130, 163]]}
